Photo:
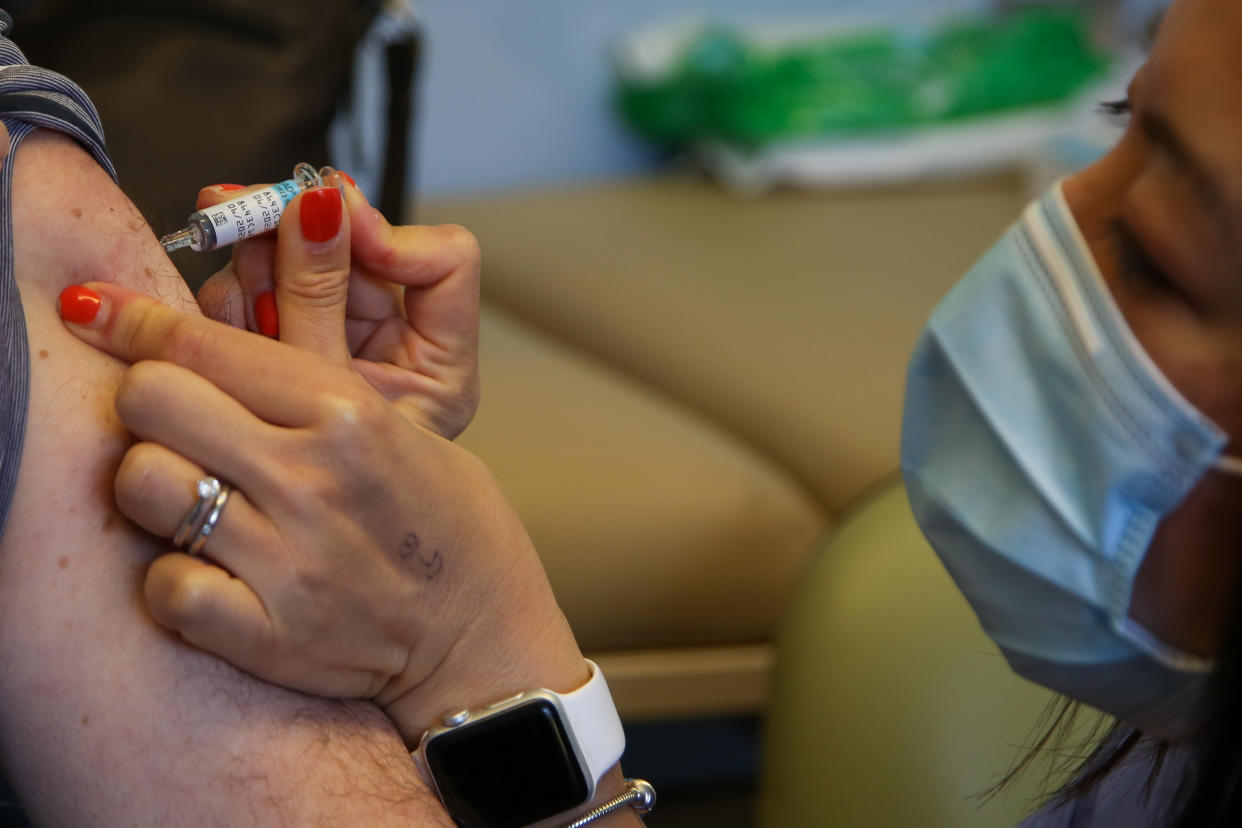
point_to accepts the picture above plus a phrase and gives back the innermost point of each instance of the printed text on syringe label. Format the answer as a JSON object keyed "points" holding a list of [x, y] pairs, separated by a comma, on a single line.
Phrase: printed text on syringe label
{"points": [[252, 214]]}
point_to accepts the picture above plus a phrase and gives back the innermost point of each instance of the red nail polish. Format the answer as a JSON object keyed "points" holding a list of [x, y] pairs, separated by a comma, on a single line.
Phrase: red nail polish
{"points": [[348, 177], [321, 214], [266, 319], [79, 305], [228, 187]]}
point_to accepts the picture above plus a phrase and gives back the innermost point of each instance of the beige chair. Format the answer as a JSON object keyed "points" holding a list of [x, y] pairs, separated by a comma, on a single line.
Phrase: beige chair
{"points": [[681, 389], [890, 707]]}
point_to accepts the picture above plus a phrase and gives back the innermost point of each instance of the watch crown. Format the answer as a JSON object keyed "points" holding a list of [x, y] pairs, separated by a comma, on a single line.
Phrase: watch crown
{"points": [[454, 719]]}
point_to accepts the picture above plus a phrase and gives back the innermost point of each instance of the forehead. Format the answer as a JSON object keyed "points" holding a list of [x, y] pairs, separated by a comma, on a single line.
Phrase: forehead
{"points": [[1193, 80], [1194, 74]]}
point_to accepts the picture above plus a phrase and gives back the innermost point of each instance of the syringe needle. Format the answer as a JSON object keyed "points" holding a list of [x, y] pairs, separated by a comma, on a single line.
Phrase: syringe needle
{"points": [[176, 241]]}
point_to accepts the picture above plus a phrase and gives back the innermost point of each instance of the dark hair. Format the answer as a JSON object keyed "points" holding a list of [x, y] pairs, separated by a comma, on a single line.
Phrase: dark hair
{"points": [[1212, 789], [1057, 744], [1209, 794]]}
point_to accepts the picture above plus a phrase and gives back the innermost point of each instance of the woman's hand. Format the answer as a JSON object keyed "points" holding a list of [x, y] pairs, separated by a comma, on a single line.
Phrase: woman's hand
{"points": [[411, 318], [358, 555]]}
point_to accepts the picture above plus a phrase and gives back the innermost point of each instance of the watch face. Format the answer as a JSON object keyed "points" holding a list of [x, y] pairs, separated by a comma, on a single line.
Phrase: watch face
{"points": [[509, 770]]}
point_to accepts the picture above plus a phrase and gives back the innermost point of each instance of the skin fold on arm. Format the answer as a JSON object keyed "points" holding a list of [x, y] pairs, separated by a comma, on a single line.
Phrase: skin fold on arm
{"points": [[105, 717]]}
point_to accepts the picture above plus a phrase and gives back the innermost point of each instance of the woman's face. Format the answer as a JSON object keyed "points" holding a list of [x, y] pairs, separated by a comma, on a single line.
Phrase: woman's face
{"points": [[1162, 213]]}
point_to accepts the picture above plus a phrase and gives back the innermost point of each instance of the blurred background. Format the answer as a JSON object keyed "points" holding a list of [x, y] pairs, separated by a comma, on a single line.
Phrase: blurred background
{"points": [[521, 95], [712, 232]]}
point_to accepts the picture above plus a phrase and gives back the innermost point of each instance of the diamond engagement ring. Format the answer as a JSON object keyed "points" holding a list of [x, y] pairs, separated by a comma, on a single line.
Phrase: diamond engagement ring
{"points": [[203, 515]]}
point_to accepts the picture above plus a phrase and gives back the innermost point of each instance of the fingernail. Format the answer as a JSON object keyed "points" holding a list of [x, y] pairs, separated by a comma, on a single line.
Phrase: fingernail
{"points": [[227, 187], [265, 316], [348, 177], [321, 214], [79, 305]]}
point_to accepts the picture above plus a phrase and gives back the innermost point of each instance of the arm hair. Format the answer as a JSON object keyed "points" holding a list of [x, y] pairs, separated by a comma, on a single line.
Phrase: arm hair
{"points": [[106, 718]]}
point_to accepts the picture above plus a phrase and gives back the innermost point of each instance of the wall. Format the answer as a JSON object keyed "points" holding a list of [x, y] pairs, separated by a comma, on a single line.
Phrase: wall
{"points": [[516, 94]]}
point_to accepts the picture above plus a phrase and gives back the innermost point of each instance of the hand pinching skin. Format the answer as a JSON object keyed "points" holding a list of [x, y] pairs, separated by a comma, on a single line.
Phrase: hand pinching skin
{"points": [[356, 554]]}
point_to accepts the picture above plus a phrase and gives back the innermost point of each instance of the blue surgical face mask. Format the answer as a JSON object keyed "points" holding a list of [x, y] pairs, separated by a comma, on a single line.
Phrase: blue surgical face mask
{"points": [[1041, 447]]}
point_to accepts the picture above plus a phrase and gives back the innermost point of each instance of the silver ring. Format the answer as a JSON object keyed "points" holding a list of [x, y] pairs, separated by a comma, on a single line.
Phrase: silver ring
{"points": [[196, 545], [208, 488], [203, 515]]}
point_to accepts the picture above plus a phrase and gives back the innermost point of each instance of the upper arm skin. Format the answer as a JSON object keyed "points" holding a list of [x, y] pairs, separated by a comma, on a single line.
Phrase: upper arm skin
{"points": [[105, 718]]}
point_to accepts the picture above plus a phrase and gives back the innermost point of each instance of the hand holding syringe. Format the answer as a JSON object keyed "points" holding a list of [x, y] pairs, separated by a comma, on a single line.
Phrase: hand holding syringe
{"points": [[249, 215], [407, 297]]}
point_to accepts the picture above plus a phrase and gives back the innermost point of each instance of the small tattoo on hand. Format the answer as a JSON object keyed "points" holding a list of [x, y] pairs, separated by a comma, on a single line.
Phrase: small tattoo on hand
{"points": [[431, 564]]}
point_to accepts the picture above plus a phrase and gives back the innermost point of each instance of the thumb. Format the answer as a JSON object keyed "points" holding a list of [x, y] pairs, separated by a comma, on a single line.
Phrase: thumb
{"points": [[312, 273]]}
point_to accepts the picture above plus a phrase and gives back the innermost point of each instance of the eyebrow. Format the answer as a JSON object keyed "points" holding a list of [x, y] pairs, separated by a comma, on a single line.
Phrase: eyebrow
{"points": [[1204, 176]]}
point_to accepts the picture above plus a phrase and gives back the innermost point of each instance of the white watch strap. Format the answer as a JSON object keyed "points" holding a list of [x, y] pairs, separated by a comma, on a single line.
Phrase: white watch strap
{"points": [[595, 723]]}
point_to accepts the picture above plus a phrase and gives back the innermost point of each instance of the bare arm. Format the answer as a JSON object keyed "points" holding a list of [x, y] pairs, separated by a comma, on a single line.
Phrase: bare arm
{"points": [[104, 717]]}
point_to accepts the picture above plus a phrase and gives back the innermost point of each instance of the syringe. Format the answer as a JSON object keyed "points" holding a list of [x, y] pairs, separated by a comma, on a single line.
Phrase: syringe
{"points": [[246, 216]]}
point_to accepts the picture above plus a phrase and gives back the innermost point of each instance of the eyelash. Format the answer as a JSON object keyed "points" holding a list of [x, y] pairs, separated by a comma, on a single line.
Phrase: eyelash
{"points": [[1120, 106], [1116, 111]]}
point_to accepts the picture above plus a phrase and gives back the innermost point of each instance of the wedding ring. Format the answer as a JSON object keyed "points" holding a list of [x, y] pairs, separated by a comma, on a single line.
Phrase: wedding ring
{"points": [[201, 520]]}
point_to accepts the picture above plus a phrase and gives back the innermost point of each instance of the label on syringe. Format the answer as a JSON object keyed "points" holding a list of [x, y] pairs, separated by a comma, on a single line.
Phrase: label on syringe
{"points": [[250, 215]]}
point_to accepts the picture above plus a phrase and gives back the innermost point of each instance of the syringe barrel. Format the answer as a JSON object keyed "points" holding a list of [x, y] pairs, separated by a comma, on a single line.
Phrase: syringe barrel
{"points": [[240, 218]]}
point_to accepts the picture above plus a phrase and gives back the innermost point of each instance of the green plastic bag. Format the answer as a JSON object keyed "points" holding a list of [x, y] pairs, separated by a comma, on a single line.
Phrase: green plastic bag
{"points": [[723, 87]]}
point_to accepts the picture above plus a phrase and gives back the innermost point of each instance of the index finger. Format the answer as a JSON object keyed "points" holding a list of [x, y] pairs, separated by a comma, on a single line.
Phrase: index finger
{"points": [[132, 326], [440, 266]]}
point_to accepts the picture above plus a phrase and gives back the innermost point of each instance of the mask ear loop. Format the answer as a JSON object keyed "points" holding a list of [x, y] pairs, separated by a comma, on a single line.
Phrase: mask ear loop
{"points": [[1229, 465]]}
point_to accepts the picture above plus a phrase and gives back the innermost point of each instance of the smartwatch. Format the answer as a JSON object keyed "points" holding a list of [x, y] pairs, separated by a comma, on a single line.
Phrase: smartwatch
{"points": [[524, 758]]}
